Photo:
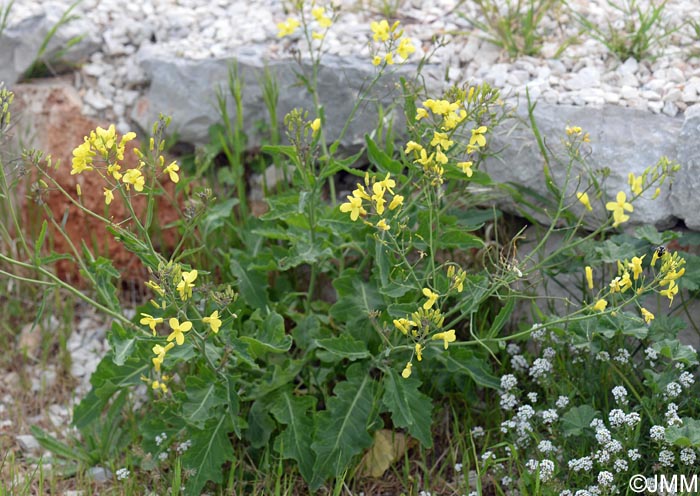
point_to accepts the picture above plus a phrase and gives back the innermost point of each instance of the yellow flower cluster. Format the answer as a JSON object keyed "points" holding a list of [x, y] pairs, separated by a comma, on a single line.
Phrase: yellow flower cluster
{"points": [[373, 195], [619, 207], [105, 146], [323, 22], [394, 41], [421, 325]]}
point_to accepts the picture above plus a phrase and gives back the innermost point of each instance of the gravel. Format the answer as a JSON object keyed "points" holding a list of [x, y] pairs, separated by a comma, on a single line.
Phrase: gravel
{"points": [[585, 73]]}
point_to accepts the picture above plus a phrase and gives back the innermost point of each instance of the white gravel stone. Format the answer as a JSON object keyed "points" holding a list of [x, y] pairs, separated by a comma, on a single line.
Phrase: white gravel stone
{"points": [[28, 443]]}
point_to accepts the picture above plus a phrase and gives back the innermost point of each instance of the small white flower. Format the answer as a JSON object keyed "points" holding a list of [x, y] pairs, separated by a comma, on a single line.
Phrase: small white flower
{"points": [[163, 456], [622, 356], [633, 455], [184, 446], [566, 492], [620, 465], [488, 455], [525, 413], [519, 363], [546, 470], [667, 458], [532, 465], [657, 432], [686, 379], [508, 401], [532, 397], [614, 446], [616, 417], [549, 416], [562, 402], [538, 332], [688, 456], [632, 419], [585, 463], [541, 367], [506, 481], [512, 349], [549, 353], [605, 478], [546, 446], [122, 474], [458, 467], [602, 456], [508, 382], [673, 390], [651, 354], [160, 438], [602, 435], [620, 395], [603, 356], [477, 432]]}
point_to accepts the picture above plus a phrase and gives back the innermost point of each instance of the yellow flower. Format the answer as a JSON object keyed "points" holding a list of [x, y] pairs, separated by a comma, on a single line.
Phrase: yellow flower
{"points": [[405, 48], [447, 337], [425, 159], [315, 126], [383, 226], [122, 144], [151, 321], [421, 113], [82, 158], [114, 169], [214, 321], [354, 206], [412, 146], [185, 286], [440, 157], [160, 351], [432, 298], [466, 167], [109, 196], [407, 370], [619, 207], [570, 130], [389, 58], [589, 276], [600, 305], [322, 20], [159, 385], [155, 287], [396, 202], [419, 352], [478, 136], [583, 198], [179, 330], [636, 266], [134, 176], [648, 316], [625, 282], [286, 28], [376, 60], [404, 325], [635, 184], [380, 30], [670, 292], [171, 170]]}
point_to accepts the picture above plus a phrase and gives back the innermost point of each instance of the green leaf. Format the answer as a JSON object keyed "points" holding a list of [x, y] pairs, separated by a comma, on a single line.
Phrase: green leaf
{"points": [[217, 215], [252, 285], [122, 342], [210, 449], [296, 412], [676, 351], [410, 409], [685, 436], [260, 424], [501, 318], [59, 448], [383, 161], [462, 361], [577, 420], [272, 339], [342, 428], [357, 300], [340, 347], [203, 398]]}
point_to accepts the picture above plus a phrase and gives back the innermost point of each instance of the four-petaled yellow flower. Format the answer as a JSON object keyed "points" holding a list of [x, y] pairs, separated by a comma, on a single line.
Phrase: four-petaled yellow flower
{"points": [[185, 286], [151, 321], [583, 198], [354, 206], [179, 330], [319, 15], [412, 146], [407, 370], [466, 167], [447, 337], [82, 158], [648, 316], [478, 137], [670, 292], [389, 58], [286, 28], [134, 176], [382, 225], [618, 208], [636, 266], [600, 305], [109, 196], [404, 325], [432, 298], [376, 60], [171, 170], [160, 351], [589, 276], [405, 48], [380, 30], [214, 321], [396, 202]]}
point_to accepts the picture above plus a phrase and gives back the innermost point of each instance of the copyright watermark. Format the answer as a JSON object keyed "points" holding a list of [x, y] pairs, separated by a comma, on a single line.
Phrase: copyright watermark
{"points": [[674, 484]]}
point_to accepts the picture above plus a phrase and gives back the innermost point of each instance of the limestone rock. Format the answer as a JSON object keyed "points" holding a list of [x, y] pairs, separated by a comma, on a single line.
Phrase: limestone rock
{"points": [[685, 198], [625, 140]]}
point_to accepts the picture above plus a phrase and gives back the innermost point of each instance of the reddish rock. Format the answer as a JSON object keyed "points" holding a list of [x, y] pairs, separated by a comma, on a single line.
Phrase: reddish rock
{"points": [[48, 113]]}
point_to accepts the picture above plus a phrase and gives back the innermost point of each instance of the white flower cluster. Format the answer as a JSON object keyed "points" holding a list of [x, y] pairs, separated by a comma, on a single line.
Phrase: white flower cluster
{"points": [[184, 446], [686, 379], [688, 456], [673, 390], [620, 395], [657, 433], [541, 367], [508, 382], [160, 438], [672, 417], [122, 474]]}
